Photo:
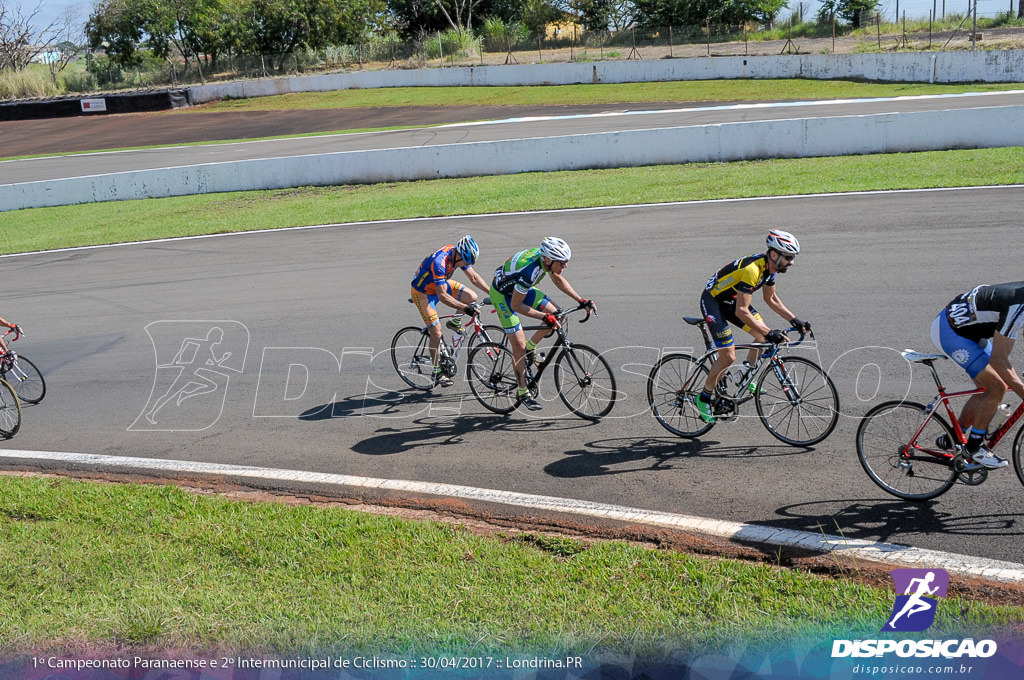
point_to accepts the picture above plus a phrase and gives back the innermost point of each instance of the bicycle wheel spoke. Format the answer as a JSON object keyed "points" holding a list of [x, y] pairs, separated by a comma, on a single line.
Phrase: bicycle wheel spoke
{"points": [[410, 354], [905, 466], [10, 411], [27, 381], [802, 408], [673, 385], [492, 377], [585, 382]]}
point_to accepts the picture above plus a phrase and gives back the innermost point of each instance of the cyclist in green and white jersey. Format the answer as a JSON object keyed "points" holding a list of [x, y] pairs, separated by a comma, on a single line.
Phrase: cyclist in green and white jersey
{"points": [[513, 293]]}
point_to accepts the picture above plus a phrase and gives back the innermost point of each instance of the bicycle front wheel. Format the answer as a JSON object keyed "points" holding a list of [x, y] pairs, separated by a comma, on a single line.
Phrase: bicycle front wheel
{"points": [[797, 401], [492, 377], [672, 388], [410, 353], [1018, 464], [585, 382], [911, 467], [26, 380], [10, 411]]}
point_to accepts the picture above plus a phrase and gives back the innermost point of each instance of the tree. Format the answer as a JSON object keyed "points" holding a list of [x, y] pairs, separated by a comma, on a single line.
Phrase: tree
{"points": [[20, 40], [854, 11], [658, 13], [115, 26], [68, 40]]}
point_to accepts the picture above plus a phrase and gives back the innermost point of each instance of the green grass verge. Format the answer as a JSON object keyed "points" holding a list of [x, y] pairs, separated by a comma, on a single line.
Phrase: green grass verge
{"points": [[611, 93], [98, 223], [91, 564]]}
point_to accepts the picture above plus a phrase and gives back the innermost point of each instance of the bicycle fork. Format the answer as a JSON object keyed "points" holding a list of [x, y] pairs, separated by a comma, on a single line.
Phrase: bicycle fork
{"points": [[788, 385]]}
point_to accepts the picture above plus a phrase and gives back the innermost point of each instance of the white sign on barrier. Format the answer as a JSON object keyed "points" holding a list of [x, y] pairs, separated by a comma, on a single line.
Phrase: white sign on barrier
{"points": [[90, 105]]}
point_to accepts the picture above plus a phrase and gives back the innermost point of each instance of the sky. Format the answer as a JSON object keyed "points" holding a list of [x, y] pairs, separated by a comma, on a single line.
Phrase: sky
{"points": [[914, 9]]}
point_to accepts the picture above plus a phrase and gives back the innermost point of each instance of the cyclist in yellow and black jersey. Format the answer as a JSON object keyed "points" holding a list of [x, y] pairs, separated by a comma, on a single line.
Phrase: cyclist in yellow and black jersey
{"points": [[726, 299]]}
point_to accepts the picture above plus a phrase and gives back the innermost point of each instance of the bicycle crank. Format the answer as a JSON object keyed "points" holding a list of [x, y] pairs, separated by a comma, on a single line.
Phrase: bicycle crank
{"points": [[968, 473]]}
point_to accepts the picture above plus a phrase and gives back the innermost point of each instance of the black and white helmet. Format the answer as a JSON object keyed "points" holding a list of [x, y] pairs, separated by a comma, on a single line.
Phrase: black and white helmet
{"points": [[555, 249], [782, 241]]}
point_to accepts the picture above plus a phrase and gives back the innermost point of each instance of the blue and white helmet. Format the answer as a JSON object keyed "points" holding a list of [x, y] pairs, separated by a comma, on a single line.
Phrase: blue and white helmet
{"points": [[468, 249], [555, 249], [783, 241]]}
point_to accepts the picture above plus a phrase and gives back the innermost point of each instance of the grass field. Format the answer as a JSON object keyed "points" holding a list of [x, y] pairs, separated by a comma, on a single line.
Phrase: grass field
{"points": [[97, 223], [613, 93], [105, 566]]}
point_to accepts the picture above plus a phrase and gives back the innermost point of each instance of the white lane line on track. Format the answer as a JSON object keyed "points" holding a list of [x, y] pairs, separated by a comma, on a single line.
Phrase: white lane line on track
{"points": [[552, 211], [888, 553], [731, 107]]}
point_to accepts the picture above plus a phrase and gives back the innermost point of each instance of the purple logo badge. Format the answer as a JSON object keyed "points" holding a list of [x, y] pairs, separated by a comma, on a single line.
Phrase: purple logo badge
{"points": [[917, 593]]}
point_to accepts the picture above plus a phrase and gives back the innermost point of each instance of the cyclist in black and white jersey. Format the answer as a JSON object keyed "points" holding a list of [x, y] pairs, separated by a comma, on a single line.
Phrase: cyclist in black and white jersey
{"points": [[977, 330]]}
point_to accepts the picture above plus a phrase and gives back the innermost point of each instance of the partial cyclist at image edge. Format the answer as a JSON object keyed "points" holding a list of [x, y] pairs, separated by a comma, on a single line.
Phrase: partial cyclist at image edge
{"points": [[513, 293], [726, 300], [977, 330], [433, 282]]}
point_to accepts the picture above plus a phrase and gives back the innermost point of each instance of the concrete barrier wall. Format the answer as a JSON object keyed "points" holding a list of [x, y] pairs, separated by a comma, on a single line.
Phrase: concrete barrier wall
{"points": [[835, 136], [926, 67]]}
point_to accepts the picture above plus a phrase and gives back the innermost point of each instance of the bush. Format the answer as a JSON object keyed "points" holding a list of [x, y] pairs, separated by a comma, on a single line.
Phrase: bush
{"points": [[500, 36], [454, 44], [26, 84]]}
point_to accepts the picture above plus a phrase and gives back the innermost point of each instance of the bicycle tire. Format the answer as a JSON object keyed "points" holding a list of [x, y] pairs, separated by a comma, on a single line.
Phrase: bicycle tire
{"points": [[410, 354], [805, 423], [492, 377], [490, 333], [589, 390], [27, 381], [10, 411], [1018, 464], [883, 438], [671, 400]]}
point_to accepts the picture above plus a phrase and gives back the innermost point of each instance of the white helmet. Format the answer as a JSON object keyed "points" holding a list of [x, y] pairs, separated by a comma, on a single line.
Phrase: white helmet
{"points": [[783, 241], [555, 249]]}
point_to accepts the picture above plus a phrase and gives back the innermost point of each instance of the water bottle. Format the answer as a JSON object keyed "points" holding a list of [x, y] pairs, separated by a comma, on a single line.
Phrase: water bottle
{"points": [[1002, 413]]}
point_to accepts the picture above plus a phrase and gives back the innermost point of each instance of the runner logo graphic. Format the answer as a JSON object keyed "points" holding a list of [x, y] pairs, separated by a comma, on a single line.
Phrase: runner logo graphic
{"points": [[914, 610], [194, 363]]}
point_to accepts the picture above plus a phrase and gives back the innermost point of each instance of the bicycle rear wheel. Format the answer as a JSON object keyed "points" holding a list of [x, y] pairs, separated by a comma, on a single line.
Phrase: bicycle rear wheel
{"points": [[816, 411], [10, 411], [585, 382], [410, 353], [27, 381], [908, 467], [492, 377], [672, 387]]}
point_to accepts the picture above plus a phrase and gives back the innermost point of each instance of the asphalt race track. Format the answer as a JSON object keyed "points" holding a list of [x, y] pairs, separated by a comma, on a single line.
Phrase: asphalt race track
{"points": [[177, 127], [309, 314]]}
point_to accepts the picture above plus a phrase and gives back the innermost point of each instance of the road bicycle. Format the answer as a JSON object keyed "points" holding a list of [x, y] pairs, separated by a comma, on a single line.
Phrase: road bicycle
{"points": [[20, 373], [583, 379], [910, 451], [795, 399], [410, 348]]}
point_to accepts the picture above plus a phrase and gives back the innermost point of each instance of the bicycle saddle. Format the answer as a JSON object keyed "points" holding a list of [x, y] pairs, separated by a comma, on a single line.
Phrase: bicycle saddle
{"points": [[920, 357], [693, 320]]}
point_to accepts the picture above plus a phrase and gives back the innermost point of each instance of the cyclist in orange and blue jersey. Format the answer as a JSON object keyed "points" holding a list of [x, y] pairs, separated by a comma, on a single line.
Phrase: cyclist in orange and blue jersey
{"points": [[977, 330], [726, 299], [432, 282], [513, 293]]}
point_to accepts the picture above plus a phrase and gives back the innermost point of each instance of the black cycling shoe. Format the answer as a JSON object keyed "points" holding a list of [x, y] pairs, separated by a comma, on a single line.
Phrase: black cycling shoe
{"points": [[943, 442], [530, 403]]}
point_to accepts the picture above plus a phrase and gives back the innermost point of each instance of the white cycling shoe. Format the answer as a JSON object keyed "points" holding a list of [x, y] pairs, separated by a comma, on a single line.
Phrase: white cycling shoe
{"points": [[988, 459]]}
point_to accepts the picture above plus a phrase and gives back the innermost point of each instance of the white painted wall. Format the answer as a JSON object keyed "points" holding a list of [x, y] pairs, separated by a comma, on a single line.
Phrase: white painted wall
{"points": [[927, 67], [834, 136]]}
